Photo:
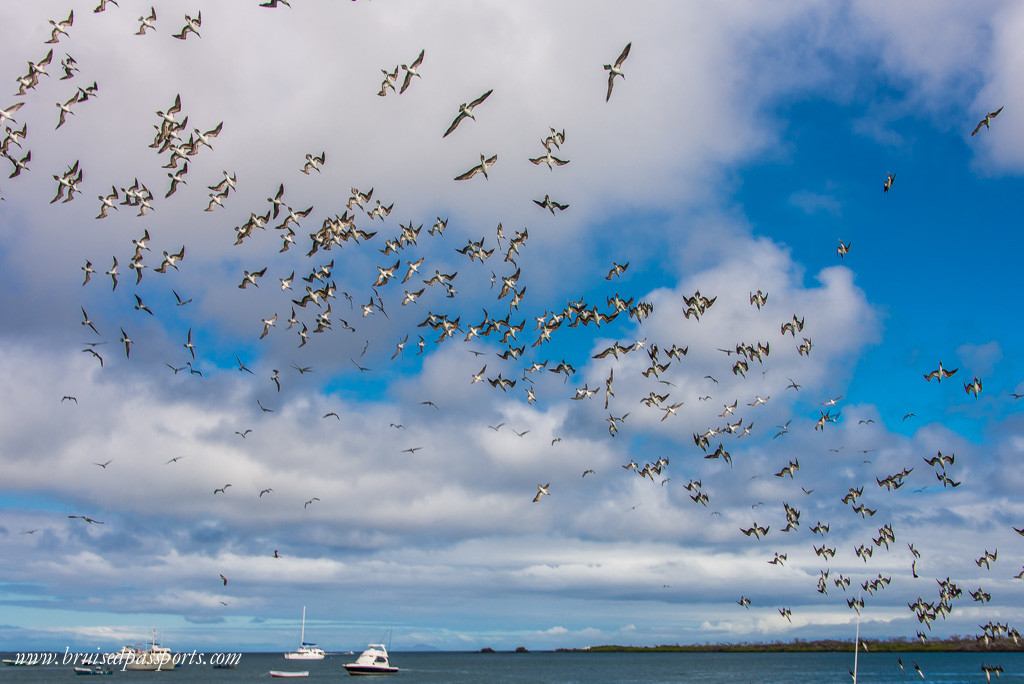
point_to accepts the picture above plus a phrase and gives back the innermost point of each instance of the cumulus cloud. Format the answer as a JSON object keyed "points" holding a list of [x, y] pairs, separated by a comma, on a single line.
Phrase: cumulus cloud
{"points": [[407, 475]]}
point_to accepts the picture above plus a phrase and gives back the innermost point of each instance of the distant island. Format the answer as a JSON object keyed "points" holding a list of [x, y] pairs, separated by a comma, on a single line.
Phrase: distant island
{"points": [[955, 643]]}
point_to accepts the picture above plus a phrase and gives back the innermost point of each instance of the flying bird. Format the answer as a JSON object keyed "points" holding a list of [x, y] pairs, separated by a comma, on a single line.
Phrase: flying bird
{"points": [[314, 163], [939, 373], [410, 71], [984, 122], [550, 205], [86, 321], [7, 114], [550, 160], [267, 324], [616, 70], [127, 343], [485, 163], [248, 277], [147, 22], [191, 26], [58, 27], [466, 111], [87, 519], [390, 78]]}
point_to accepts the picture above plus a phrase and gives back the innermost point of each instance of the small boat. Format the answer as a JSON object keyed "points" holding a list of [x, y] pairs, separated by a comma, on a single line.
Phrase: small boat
{"points": [[20, 662], [282, 673], [372, 661], [225, 666], [306, 650], [97, 670]]}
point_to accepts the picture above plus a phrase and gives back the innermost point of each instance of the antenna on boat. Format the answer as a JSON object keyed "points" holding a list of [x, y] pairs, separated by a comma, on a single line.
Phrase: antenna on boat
{"points": [[388, 642]]}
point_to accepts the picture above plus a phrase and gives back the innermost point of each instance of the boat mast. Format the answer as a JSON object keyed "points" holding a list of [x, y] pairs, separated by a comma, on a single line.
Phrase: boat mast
{"points": [[856, 646], [302, 639]]}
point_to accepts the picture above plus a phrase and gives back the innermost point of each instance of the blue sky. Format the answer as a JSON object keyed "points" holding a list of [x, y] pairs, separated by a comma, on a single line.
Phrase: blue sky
{"points": [[744, 143]]}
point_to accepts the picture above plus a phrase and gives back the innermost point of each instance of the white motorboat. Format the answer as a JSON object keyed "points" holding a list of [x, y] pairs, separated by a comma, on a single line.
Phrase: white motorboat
{"points": [[146, 657], [288, 675], [306, 650], [372, 661]]}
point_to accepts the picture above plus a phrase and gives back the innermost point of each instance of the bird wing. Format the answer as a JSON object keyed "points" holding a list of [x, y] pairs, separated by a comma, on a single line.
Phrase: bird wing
{"points": [[622, 57], [480, 99], [455, 123], [469, 174]]}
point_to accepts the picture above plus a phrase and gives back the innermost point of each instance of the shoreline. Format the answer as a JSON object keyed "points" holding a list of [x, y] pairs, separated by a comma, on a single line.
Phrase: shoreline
{"points": [[954, 644]]}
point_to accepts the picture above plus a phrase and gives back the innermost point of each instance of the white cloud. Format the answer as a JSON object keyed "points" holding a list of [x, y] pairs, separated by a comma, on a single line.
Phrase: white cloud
{"points": [[652, 180], [980, 359]]}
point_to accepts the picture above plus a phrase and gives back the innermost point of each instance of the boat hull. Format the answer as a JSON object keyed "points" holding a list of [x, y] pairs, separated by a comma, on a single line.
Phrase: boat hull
{"points": [[370, 670], [288, 675], [150, 664]]}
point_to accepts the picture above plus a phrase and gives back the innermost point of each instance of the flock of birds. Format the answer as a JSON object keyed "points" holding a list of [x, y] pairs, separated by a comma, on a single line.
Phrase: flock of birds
{"points": [[310, 308]]}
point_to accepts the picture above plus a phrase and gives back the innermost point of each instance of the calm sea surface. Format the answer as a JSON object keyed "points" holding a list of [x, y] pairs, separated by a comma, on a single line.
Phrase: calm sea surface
{"points": [[587, 668]]}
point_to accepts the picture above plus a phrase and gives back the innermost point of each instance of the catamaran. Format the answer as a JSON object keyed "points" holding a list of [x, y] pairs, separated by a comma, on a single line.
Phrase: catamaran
{"points": [[306, 650]]}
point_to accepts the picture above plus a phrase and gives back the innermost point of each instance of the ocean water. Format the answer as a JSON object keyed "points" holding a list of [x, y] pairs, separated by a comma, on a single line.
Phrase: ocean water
{"points": [[587, 668]]}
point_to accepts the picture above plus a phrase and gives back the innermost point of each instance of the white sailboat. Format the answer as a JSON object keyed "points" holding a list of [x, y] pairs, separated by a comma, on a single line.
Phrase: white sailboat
{"points": [[856, 647], [305, 651]]}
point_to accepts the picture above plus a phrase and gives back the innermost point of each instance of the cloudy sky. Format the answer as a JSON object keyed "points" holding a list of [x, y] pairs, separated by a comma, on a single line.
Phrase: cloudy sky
{"points": [[744, 144]]}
